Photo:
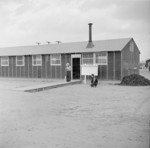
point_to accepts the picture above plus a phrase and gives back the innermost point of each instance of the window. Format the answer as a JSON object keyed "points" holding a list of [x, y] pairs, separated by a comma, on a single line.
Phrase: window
{"points": [[5, 61], [20, 61], [101, 58], [56, 59], [36, 60], [132, 46], [87, 58]]}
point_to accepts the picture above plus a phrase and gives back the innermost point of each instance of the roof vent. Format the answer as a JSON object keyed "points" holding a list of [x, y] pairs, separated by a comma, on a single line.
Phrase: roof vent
{"points": [[90, 43]]}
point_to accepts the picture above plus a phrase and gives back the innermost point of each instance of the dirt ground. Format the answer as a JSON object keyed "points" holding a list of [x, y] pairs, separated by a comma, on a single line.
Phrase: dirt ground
{"points": [[77, 116]]}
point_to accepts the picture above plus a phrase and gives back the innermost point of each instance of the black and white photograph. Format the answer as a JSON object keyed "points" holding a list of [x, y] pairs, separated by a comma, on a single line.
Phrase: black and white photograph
{"points": [[74, 73]]}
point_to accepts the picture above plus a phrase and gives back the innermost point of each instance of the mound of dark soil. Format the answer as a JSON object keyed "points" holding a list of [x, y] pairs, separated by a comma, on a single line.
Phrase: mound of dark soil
{"points": [[135, 80]]}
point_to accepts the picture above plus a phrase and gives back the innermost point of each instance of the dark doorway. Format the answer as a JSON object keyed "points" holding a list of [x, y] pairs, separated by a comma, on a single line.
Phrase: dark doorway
{"points": [[76, 68]]}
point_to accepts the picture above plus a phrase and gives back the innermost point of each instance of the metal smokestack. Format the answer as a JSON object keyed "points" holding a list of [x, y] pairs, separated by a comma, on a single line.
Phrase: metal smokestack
{"points": [[90, 32], [90, 43]]}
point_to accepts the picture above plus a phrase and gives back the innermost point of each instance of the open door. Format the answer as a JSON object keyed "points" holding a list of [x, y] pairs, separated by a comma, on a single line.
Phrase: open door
{"points": [[76, 73]]}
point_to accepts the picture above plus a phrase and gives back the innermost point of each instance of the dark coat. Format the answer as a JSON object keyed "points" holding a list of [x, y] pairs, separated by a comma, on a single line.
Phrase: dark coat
{"points": [[94, 81]]}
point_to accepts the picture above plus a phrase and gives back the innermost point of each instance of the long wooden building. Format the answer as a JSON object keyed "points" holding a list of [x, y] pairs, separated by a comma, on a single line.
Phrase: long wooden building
{"points": [[115, 58]]}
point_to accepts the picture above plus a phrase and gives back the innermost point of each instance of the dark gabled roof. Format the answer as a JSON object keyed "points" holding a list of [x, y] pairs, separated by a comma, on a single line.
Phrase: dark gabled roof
{"points": [[74, 47]]}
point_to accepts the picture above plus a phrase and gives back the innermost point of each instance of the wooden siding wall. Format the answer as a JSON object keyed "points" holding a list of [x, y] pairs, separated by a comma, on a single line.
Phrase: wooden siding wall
{"points": [[28, 71], [114, 65], [112, 71], [102, 72], [0, 68], [118, 65], [130, 60], [110, 65]]}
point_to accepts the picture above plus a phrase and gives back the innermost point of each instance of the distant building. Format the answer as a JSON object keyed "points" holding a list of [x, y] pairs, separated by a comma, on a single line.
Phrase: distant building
{"points": [[142, 65], [115, 58], [147, 65]]}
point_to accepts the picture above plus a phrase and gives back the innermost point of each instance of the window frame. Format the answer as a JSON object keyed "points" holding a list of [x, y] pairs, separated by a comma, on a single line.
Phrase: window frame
{"points": [[20, 60], [102, 58], [52, 59], [4, 60], [88, 58], [40, 59]]}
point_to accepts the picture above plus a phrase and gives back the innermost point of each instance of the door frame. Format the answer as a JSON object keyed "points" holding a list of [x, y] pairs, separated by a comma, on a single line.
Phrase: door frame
{"points": [[75, 56]]}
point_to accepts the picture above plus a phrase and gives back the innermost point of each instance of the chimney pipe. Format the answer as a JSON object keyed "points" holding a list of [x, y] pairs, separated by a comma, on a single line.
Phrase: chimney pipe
{"points": [[90, 43], [90, 32]]}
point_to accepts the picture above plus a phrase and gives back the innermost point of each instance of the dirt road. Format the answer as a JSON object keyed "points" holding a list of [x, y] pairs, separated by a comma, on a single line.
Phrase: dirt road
{"points": [[76, 117]]}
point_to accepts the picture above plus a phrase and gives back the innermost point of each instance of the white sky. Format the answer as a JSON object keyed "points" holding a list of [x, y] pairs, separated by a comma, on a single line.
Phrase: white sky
{"points": [[25, 22]]}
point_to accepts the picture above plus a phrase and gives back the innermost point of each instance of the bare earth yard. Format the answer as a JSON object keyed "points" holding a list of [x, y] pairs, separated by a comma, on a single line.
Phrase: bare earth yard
{"points": [[78, 116]]}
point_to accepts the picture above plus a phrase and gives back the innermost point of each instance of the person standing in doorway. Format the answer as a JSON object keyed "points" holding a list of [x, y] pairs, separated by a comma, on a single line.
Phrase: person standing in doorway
{"points": [[68, 72]]}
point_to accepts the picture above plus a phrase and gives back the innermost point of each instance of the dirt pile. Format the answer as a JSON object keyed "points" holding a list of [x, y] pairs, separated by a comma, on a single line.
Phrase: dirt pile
{"points": [[135, 80]]}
